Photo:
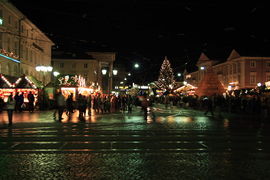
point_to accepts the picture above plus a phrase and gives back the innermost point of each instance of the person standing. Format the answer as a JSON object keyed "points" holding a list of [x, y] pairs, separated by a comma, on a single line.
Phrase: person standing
{"points": [[17, 102], [2, 103], [60, 100], [209, 106], [144, 106], [10, 108], [31, 100], [21, 101]]}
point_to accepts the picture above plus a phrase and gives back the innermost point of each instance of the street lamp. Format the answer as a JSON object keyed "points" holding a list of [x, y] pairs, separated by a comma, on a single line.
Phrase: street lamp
{"points": [[55, 73], [202, 68], [129, 74], [179, 74], [104, 71], [44, 69], [136, 65], [115, 72]]}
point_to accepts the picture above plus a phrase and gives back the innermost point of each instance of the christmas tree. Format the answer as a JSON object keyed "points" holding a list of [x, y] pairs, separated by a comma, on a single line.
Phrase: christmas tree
{"points": [[166, 78]]}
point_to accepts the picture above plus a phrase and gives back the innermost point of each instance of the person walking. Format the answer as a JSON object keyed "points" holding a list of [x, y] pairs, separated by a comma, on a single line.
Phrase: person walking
{"points": [[10, 108], [31, 100], [60, 101], [209, 106], [144, 106]]}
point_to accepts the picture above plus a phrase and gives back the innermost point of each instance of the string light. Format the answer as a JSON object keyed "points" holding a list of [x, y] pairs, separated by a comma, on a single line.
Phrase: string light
{"points": [[6, 81], [30, 82]]}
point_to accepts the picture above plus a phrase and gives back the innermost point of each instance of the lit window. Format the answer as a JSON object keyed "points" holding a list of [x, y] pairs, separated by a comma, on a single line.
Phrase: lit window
{"points": [[267, 77], [253, 64], [252, 78], [74, 65]]}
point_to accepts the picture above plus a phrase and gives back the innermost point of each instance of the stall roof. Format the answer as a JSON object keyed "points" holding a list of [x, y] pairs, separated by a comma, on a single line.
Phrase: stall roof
{"points": [[25, 82], [5, 82]]}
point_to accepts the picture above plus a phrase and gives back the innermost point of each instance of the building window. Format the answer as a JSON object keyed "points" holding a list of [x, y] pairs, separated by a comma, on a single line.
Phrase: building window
{"points": [[230, 69], [9, 19], [253, 64], [16, 24], [8, 43], [1, 43], [252, 78], [74, 65], [234, 68], [268, 64], [85, 76], [238, 67], [85, 65], [267, 77], [61, 65]]}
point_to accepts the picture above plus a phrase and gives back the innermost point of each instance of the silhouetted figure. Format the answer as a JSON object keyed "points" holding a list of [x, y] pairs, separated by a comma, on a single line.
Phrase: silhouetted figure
{"points": [[69, 104], [144, 105], [17, 102], [31, 100], [2, 103], [21, 101], [60, 100], [209, 106], [10, 108]]}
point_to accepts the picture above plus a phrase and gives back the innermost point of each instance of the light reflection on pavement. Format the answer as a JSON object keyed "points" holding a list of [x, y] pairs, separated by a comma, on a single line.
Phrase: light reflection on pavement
{"points": [[167, 145]]}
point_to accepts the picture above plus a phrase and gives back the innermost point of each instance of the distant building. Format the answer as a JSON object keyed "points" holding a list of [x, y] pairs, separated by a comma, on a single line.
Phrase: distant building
{"points": [[237, 72], [95, 67], [23, 46]]}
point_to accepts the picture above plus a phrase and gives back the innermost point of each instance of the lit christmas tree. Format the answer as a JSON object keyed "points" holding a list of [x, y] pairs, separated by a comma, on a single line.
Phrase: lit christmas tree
{"points": [[166, 78]]}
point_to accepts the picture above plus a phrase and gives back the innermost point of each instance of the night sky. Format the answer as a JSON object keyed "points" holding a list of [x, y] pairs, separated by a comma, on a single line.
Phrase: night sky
{"points": [[146, 31]]}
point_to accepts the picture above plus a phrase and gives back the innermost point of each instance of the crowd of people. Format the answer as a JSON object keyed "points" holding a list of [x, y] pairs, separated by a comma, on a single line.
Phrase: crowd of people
{"points": [[100, 103], [243, 103], [103, 103]]}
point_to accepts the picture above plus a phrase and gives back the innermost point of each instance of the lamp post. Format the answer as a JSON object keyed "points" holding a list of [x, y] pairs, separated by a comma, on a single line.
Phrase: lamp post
{"points": [[115, 72], [44, 69], [105, 81]]}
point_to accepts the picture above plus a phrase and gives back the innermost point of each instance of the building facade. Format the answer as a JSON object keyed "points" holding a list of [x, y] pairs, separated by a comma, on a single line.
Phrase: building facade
{"points": [[23, 46], [237, 72], [92, 68]]}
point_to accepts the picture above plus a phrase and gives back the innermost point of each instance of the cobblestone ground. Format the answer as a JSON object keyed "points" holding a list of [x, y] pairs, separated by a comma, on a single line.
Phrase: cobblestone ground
{"points": [[171, 144], [135, 166]]}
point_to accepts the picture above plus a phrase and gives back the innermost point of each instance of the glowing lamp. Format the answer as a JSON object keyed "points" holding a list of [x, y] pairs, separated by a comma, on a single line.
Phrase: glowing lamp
{"points": [[55, 73], [115, 72], [104, 71], [49, 68]]}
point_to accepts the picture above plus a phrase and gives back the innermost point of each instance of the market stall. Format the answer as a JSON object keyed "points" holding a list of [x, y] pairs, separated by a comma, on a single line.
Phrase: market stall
{"points": [[6, 88], [74, 84], [24, 85], [187, 89]]}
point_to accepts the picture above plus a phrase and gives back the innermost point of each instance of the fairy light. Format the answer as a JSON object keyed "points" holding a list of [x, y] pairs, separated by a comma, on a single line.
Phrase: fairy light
{"points": [[18, 81], [6, 81], [30, 82]]}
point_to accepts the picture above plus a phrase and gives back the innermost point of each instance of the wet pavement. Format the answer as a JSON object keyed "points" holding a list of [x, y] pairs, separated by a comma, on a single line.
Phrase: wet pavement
{"points": [[170, 144]]}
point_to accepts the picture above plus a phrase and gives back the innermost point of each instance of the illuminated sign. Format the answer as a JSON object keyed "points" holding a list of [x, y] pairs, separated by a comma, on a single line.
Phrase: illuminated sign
{"points": [[15, 60]]}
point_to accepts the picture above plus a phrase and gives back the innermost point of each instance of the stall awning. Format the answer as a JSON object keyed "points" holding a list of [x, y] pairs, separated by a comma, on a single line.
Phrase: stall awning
{"points": [[25, 82], [4, 82]]}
